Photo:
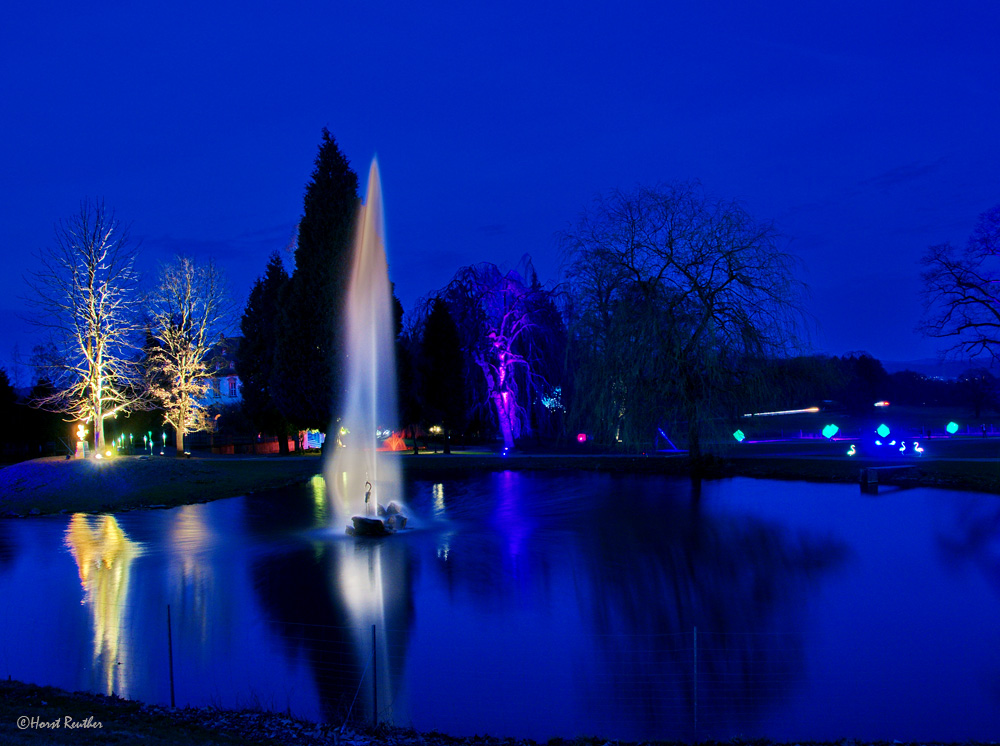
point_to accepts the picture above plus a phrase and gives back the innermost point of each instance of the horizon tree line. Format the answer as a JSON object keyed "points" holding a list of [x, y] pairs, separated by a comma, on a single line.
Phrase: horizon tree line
{"points": [[677, 311]]}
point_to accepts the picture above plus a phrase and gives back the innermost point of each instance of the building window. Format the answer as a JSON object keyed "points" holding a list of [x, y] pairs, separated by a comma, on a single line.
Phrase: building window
{"points": [[216, 387], [232, 387]]}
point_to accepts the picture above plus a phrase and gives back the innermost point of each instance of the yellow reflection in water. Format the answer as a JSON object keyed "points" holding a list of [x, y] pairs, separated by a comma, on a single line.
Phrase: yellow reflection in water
{"points": [[104, 556], [320, 502], [191, 576], [438, 492]]}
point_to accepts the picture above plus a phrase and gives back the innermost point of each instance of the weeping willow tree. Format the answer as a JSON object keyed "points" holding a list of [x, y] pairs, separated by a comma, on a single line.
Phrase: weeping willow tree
{"points": [[511, 333], [677, 302]]}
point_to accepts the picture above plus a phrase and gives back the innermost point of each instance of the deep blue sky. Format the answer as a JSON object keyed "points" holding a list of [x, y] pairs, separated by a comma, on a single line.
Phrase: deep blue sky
{"points": [[865, 131]]}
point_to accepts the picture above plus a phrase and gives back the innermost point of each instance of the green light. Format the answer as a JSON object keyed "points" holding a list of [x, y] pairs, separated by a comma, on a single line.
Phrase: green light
{"points": [[830, 430], [740, 437], [882, 430], [952, 428]]}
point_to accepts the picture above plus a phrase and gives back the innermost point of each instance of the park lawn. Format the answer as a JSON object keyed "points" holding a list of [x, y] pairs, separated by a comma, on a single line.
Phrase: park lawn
{"points": [[55, 485]]}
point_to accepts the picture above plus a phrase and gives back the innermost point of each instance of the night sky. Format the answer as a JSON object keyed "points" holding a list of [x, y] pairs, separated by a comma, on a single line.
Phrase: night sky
{"points": [[865, 131]]}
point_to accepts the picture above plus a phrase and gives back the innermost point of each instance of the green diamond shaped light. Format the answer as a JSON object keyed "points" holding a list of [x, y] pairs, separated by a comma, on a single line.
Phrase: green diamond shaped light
{"points": [[830, 430], [952, 428], [882, 430], [740, 437]]}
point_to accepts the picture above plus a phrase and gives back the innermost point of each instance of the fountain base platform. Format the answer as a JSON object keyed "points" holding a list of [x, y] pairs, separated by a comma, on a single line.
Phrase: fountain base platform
{"points": [[390, 521]]}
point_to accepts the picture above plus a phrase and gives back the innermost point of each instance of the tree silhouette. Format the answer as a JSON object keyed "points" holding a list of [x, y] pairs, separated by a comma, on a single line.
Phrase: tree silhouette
{"points": [[255, 359], [309, 362], [961, 301], [675, 301]]}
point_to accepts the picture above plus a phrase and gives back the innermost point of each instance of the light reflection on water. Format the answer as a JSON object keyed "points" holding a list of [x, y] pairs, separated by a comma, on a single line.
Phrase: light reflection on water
{"points": [[104, 557], [534, 605]]}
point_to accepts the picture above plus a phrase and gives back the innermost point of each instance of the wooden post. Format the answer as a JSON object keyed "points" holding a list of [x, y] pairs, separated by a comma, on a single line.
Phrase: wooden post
{"points": [[170, 656], [374, 679]]}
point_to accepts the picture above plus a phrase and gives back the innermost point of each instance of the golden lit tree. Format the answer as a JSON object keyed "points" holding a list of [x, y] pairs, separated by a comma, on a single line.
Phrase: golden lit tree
{"points": [[85, 297], [188, 309]]}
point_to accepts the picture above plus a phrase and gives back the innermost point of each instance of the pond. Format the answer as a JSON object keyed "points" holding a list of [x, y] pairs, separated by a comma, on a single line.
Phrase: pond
{"points": [[536, 605]]}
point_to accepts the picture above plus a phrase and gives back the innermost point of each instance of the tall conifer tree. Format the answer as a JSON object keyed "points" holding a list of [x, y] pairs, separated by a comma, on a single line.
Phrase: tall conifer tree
{"points": [[308, 373], [255, 358]]}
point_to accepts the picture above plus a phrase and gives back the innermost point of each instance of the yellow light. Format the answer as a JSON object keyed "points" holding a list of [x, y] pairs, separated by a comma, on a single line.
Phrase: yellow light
{"points": [[783, 411]]}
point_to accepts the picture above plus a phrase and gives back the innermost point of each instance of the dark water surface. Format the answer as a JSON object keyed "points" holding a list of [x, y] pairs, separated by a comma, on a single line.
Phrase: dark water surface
{"points": [[535, 605]]}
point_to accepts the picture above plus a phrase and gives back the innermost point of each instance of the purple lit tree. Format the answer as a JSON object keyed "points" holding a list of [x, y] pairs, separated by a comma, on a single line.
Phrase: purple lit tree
{"points": [[511, 332]]}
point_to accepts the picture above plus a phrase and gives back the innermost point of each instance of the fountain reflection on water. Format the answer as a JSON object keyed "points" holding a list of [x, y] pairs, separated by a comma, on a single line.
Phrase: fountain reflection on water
{"points": [[370, 395]]}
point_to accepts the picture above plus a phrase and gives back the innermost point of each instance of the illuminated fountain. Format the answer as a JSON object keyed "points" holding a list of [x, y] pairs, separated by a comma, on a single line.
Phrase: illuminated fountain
{"points": [[357, 475]]}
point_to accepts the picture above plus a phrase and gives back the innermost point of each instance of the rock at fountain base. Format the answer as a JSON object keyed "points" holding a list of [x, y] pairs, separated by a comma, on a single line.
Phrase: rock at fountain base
{"points": [[365, 526]]}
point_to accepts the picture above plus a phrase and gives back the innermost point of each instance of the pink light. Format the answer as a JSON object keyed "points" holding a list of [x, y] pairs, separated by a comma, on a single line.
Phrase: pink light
{"points": [[581, 437]]}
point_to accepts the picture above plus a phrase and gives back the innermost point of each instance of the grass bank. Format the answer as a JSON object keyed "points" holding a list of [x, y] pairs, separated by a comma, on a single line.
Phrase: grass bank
{"points": [[124, 721], [54, 485]]}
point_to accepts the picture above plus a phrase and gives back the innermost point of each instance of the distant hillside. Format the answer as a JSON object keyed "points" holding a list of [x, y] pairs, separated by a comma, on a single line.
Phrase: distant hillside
{"points": [[946, 369]]}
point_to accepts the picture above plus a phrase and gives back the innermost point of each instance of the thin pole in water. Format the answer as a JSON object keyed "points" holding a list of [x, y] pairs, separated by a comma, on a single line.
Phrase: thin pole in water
{"points": [[374, 679], [170, 656], [696, 683]]}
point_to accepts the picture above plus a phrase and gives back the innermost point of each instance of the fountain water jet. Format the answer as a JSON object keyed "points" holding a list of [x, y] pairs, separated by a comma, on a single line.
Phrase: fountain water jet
{"points": [[370, 395]]}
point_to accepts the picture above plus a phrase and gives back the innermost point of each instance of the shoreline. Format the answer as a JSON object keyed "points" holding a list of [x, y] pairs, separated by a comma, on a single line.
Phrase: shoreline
{"points": [[54, 485], [26, 709]]}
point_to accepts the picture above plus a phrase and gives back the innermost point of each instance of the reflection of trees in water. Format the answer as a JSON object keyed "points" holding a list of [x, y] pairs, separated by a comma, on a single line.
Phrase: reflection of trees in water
{"points": [[659, 573], [104, 556], [648, 564], [8, 548], [974, 538], [310, 606]]}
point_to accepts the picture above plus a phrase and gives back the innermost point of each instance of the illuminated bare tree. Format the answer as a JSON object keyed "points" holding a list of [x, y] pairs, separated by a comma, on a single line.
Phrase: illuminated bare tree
{"points": [[962, 291], [85, 297], [676, 300], [188, 309], [511, 332]]}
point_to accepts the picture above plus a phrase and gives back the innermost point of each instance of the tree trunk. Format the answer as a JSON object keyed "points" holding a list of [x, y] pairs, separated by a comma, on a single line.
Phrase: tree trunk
{"points": [[282, 441], [503, 417], [179, 442]]}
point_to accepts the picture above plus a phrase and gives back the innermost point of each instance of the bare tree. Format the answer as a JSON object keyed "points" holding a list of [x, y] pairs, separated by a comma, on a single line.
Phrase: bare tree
{"points": [[85, 297], [511, 332], [676, 299], [962, 291], [188, 308]]}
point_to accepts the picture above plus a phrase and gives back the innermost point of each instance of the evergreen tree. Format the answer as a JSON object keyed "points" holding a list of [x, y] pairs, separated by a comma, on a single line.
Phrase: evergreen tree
{"points": [[255, 359], [443, 371], [308, 373]]}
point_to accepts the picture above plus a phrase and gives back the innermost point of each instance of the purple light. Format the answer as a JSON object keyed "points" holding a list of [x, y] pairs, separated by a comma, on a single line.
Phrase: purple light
{"points": [[581, 437]]}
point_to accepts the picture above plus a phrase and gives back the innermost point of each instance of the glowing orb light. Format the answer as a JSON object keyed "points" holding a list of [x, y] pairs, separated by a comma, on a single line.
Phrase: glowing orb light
{"points": [[740, 437], [830, 430], [952, 428], [882, 430], [581, 437]]}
